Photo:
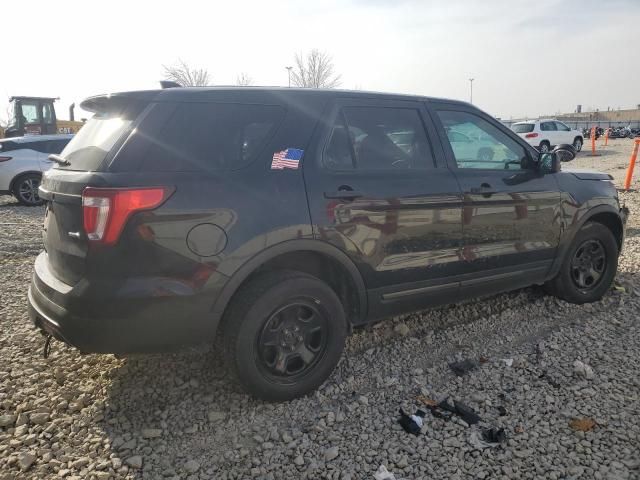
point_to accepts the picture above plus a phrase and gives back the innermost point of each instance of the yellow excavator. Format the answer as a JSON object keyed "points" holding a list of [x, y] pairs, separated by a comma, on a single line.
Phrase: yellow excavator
{"points": [[37, 116]]}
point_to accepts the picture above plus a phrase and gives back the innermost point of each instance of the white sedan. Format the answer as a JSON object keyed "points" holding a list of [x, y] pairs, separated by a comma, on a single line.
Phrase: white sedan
{"points": [[22, 161], [545, 134]]}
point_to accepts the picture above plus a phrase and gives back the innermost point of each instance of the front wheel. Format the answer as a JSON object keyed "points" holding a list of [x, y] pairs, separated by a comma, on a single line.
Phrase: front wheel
{"points": [[284, 334], [577, 144], [589, 266]]}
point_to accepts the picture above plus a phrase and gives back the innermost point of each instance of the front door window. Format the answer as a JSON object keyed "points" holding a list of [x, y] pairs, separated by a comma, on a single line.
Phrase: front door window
{"points": [[478, 144]]}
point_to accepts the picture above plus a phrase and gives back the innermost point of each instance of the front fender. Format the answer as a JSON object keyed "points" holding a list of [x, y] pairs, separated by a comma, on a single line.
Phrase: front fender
{"points": [[575, 218]]}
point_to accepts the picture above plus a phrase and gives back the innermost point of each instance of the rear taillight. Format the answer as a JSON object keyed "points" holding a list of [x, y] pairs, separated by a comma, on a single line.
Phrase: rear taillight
{"points": [[106, 210], [531, 135], [5, 159]]}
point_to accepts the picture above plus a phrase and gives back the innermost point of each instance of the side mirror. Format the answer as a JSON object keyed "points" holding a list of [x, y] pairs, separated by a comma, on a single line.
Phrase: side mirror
{"points": [[550, 162], [565, 152]]}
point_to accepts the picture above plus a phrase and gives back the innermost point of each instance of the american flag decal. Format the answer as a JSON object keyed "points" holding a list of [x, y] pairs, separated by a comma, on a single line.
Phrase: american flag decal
{"points": [[289, 158]]}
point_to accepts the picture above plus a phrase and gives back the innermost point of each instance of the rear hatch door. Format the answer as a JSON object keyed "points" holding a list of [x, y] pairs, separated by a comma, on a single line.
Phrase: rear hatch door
{"points": [[88, 155]]}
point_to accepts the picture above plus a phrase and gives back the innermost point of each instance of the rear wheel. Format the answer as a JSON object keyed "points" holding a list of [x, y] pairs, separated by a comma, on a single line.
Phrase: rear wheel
{"points": [[25, 189], [577, 144], [544, 147], [284, 334], [589, 267]]}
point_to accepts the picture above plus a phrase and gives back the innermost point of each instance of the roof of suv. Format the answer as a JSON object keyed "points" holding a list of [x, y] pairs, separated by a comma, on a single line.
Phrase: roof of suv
{"points": [[193, 93]]}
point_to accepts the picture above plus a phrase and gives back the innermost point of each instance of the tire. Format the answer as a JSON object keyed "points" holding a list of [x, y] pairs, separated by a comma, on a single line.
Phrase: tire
{"points": [[577, 144], [283, 335], [544, 147], [567, 285], [25, 189]]}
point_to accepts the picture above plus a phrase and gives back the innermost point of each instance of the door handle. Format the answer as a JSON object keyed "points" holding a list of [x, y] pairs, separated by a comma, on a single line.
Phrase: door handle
{"points": [[345, 194], [484, 189]]}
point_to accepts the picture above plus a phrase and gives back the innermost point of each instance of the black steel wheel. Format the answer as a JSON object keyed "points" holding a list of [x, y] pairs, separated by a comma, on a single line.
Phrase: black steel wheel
{"points": [[589, 265], [293, 340], [283, 334]]}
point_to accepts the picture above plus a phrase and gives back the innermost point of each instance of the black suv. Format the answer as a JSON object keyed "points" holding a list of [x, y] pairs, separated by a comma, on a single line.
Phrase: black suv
{"points": [[279, 219]]}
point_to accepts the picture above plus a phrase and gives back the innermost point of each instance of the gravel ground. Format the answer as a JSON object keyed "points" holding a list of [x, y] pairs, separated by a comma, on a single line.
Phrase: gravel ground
{"points": [[178, 416]]}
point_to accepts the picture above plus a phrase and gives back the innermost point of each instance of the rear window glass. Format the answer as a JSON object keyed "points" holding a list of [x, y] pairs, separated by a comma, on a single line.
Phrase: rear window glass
{"points": [[522, 127], [90, 146], [212, 136]]}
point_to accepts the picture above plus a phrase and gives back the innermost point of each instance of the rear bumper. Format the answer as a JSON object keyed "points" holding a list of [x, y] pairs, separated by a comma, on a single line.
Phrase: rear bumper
{"points": [[118, 320]]}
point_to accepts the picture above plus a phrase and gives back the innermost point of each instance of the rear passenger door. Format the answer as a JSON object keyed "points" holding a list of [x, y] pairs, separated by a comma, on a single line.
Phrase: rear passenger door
{"points": [[376, 192]]}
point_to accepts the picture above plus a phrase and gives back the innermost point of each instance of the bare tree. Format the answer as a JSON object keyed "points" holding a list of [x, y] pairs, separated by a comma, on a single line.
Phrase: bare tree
{"points": [[315, 70], [244, 80], [4, 121], [187, 76]]}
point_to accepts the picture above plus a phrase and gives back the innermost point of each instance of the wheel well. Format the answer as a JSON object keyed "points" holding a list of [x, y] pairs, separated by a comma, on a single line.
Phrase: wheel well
{"points": [[325, 268], [612, 222], [22, 174], [578, 137]]}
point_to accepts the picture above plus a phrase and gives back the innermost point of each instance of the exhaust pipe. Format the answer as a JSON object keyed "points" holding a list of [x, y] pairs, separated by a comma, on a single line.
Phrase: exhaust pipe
{"points": [[71, 108]]}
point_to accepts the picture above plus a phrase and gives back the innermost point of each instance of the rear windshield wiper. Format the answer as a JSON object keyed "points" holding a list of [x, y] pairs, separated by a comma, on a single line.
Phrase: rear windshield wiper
{"points": [[59, 160]]}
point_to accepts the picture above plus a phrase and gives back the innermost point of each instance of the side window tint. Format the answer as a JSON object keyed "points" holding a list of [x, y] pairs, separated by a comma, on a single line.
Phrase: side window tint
{"points": [[477, 143], [562, 127], [381, 139], [548, 126], [212, 136]]}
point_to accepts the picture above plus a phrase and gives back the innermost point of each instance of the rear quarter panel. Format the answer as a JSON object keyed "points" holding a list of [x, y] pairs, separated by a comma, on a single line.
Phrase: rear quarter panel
{"points": [[253, 208], [22, 161]]}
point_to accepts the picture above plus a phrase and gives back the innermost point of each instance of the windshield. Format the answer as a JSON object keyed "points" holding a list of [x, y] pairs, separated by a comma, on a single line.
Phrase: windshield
{"points": [[522, 127], [89, 147]]}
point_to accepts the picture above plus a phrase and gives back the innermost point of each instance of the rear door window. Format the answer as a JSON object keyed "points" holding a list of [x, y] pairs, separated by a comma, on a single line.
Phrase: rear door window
{"points": [[523, 127], [212, 136], [378, 138], [548, 126]]}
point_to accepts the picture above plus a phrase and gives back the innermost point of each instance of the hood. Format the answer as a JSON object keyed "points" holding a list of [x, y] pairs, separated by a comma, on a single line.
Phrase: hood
{"points": [[584, 174]]}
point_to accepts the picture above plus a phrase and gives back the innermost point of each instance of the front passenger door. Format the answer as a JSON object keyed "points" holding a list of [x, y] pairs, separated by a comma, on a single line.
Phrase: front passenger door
{"points": [[563, 134], [510, 221]]}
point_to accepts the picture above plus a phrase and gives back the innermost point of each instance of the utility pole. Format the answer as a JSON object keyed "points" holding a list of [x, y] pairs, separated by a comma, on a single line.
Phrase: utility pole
{"points": [[289, 72], [471, 88]]}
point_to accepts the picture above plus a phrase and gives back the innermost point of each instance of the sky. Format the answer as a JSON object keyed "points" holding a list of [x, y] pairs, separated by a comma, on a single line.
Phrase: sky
{"points": [[528, 58]]}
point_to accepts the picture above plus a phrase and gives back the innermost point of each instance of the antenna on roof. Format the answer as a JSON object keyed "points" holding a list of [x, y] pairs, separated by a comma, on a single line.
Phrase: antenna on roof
{"points": [[169, 84]]}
